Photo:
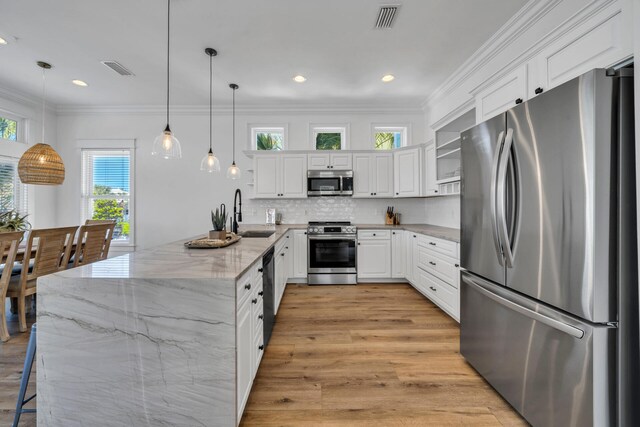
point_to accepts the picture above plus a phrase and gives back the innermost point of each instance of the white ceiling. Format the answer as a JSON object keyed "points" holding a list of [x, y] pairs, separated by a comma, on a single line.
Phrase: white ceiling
{"points": [[261, 44]]}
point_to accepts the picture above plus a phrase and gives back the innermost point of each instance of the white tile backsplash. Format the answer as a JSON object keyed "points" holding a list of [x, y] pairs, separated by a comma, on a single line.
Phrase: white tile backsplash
{"points": [[444, 211]]}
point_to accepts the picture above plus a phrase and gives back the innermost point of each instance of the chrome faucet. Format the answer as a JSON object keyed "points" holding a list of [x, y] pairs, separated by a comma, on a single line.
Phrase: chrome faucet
{"points": [[237, 215]]}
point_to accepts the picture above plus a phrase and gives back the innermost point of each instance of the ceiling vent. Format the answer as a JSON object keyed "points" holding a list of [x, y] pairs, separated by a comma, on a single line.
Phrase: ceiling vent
{"points": [[118, 68], [386, 16]]}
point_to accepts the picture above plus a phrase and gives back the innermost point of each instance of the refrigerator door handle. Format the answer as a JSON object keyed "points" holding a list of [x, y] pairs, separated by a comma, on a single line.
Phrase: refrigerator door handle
{"points": [[494, 189], [563, 327], [500, 194]]}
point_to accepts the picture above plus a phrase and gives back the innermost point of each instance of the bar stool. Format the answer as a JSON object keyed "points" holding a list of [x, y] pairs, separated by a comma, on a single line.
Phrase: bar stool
{"points": [[24, 381]]}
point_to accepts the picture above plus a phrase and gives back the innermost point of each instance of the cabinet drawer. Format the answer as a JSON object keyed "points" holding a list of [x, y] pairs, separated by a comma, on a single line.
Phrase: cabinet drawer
{"points": [[248, 283], [374, 234], [442, 267], [445, 247], [447, 297]]}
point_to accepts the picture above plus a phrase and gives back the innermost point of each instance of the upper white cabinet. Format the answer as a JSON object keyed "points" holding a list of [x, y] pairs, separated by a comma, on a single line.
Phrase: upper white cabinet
{"points": [[373, 175], [322, 161], [406, 167], [501, 95], [598, 42], [280, 176], [430, 188]]}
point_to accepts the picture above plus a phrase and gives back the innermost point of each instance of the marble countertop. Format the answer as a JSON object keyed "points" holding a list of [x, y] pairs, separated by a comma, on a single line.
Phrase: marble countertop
{"points": [[175, 261]]}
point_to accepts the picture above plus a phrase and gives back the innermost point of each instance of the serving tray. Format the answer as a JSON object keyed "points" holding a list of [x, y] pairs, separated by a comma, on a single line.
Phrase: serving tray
{"points": [[206, 243]]}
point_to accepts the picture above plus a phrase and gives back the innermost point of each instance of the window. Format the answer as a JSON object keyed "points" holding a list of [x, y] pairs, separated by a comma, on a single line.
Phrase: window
{"points": [[106, 189], [268, 137], [389, 137], [329, 137], [8, 129], [13, 193]]}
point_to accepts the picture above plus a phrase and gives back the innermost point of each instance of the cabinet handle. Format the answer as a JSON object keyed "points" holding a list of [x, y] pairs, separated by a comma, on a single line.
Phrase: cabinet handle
{"points": [[261, 293], [397, 194], [247, 286], [260, 270], [254, 301], [414, 236], [538, 91], [374, 234], [393, 232], [286, 247], [328, 166], [433, 289], [282, 254], [261, 347], [305, 233], [519, 101], [432, 244], [432, 263], [358, 243], [457, 265], [261, 316]]}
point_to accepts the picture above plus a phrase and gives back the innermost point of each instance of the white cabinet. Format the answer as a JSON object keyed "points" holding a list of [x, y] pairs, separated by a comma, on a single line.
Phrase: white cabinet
{"points": [[430, 188], [244, 341], [300, 254], [373, 175], [406, 167], [374, 254], [411, 242], [280, 176], [503, 94], [320, 161], [282, 267], [398, 254]]}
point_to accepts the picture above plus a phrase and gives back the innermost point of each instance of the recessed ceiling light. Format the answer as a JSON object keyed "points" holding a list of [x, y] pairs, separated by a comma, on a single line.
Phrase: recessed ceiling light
{"points": [[300, 79], [388, 78], [2, 41], [79, 83]]}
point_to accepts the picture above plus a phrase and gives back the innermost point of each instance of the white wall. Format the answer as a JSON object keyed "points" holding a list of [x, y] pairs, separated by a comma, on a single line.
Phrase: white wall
{"points": [[173, 198], [41, 199]]}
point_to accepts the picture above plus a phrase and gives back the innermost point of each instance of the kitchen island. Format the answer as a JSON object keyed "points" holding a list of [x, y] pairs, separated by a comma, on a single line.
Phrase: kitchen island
{"points": [[152, 337]]}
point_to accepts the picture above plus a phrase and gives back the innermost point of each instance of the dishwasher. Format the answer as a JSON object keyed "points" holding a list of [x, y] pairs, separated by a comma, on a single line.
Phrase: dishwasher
{"points": [[268, 271]]}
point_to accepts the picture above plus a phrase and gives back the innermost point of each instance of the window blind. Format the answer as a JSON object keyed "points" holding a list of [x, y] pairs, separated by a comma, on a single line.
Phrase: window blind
{"points": [[13, 193]]}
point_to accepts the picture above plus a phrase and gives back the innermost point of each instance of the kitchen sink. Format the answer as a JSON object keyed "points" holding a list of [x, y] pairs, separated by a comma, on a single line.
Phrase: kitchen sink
{"points": [[256, 233]]}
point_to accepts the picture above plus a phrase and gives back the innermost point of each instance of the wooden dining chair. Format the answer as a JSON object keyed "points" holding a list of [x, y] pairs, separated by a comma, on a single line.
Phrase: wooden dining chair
{"points": [[9, 247], [94, 241], [49, 249]]}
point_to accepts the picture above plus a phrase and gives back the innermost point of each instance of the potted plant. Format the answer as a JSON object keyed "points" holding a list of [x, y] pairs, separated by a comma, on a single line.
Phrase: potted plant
{"points": [[218, 220], [13, 221]]}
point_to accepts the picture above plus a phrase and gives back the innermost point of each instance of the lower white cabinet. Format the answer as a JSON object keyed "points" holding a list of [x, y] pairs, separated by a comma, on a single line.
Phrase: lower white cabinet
{"points": [[244, 359], [411, 242], [300, 254], [398, 254], [374, 254]]}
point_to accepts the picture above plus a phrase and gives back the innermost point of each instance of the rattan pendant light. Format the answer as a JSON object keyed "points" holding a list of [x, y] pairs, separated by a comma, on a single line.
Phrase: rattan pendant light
{"points": [[41, 164]]}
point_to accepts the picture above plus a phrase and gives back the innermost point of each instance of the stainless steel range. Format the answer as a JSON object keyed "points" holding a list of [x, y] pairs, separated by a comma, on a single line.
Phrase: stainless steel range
{"points": [[332, 253]]}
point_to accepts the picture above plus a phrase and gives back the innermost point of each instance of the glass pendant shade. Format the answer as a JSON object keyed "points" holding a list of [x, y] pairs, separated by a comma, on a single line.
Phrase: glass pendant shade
{"points": [[166, 145], [210, 163], [234, 172], [41, 165]]}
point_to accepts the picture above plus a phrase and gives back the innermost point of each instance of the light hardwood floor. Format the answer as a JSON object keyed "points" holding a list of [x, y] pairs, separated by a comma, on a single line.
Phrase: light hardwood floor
{"points": [[378, 355], [11, 362]]}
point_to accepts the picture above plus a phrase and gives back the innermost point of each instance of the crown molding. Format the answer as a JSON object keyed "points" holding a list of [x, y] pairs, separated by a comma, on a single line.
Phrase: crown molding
{"points": [[526, 17], [266, 109], [25, 99]]}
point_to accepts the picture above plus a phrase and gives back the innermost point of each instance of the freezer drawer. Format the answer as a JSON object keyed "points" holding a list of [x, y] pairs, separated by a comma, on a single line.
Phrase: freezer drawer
{"points": [[553, 369]]}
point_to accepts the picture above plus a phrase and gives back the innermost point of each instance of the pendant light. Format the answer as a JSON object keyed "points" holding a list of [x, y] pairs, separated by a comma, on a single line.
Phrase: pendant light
{"points": [[41, 164], [210, 163], [234, 171], [166, 144]]}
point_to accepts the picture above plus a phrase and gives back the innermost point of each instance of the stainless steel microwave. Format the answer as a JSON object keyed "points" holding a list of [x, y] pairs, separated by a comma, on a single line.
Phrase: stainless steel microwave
{"points": [[330, 183]]}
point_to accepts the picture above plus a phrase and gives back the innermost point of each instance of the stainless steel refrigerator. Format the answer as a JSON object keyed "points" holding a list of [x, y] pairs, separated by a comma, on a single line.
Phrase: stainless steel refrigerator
{"points": [[549, 286]]}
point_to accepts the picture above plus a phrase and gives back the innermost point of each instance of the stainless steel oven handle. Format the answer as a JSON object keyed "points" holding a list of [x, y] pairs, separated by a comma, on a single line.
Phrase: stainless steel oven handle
{"points": [[494, 189], [347, 237], [563, 327]]}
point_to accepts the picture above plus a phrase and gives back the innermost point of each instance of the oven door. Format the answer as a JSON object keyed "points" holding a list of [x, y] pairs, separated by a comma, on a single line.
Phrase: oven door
{"points": [[331, 254], [324, 186]]}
